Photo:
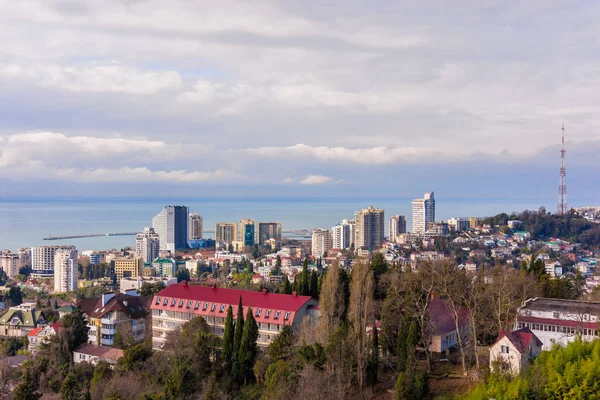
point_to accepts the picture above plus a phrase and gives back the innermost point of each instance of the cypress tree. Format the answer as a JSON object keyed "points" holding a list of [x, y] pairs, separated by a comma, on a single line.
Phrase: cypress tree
{"points": [[314, 285], [248, 349], [286, 288], [401, 346], [304, 289], [373, 365], [228, 340], [26, 389], [237, 340]]}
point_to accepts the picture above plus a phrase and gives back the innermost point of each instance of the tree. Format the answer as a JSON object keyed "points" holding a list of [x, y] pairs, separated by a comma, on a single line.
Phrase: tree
{"points": [[237, 341], [77, 329], [150, 289], [286, 288], [248, 349], [305, 282], [228, 337], [332, 303], [26, 389], [360, 314], [373, 363], [282, 346], [400, 392], [314, 285], [401, 346], [182, 274], [71, 388], [15, 296]]}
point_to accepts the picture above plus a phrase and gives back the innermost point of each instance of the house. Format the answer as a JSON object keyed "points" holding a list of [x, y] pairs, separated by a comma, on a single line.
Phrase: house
{"points": [[41, 335], [92, 354], [19, 321], [179, 303], [112, 311], [442, 328], [257, 278], [558, 321], [513, 350]]}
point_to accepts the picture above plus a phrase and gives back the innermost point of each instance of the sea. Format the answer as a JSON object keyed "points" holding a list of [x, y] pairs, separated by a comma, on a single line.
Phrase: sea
{"points": [[25, 222]]}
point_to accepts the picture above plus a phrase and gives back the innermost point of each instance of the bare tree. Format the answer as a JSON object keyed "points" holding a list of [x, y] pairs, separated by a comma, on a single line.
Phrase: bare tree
{"points": [[362, 287]]}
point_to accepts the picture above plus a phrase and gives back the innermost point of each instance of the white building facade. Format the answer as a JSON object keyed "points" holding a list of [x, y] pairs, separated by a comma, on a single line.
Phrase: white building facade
{"points": [[321, 242], [423, 212], [171, 225], [66, 270], [42, 260], [397, 227], [369, 228], [343, 234], [147, 245]]}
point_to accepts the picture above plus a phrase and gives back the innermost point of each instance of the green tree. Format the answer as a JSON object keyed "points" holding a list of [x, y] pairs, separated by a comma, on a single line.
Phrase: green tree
{"points": [[48, 304], [15, 296], [305, 282], [77, 329], [248, 349], [228, 337], [314, 285], [134, 357], [286, 288], [150, 289], [373, 363], [237, 341], [400, 392], [26, 390], [71, 388], [401, 346], [282, 347]]}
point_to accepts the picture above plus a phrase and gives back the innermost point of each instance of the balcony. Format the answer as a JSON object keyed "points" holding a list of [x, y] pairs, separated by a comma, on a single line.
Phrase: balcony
{"points": [[108, 331], [107, 342], [108, 321]]}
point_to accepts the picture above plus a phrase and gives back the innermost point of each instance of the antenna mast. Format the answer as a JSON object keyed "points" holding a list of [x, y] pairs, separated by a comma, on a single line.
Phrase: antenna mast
{"points": [[562, 187]]}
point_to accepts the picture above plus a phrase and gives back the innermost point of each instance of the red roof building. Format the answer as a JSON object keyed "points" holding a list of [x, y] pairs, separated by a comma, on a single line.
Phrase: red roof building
{"points": [[177, 304], [513, 350]]}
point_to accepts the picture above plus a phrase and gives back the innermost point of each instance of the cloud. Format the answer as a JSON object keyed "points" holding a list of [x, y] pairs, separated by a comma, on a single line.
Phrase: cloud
{"points": [[316, 180], [112, 78]]}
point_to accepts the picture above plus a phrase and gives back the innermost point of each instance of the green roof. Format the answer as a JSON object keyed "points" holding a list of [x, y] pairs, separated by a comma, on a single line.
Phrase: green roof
{"points": [[26, 318]]}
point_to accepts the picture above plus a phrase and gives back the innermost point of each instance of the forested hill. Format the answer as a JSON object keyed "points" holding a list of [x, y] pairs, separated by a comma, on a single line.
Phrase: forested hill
{"points": [[542, 224]]}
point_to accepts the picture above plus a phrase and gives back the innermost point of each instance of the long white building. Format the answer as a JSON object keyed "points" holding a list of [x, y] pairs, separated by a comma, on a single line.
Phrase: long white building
{"points": [[321, 242], [147, 245], [42, 260], [66, 270], [423, 212], [343, 234]]}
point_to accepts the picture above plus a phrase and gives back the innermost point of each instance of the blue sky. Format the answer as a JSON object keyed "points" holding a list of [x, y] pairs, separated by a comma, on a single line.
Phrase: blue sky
{"points": [[299, 98]]}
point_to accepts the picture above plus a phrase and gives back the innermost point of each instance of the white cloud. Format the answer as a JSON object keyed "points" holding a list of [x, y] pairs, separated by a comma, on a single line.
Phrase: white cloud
{"points": [[112, 78], [316, 180]]}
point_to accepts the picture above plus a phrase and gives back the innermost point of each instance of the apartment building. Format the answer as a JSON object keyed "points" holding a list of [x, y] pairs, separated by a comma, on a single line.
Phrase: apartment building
{"points": [[128, 267], [10, 264], [66, 270], [397, 227], [226, 232], [343, 234], [558, 321], [147, 245], [267, 231], [42, 260], [114, 311], [195, 226], [171, 224], [179, 303], [369, 228], [321, 242], [423, 212]]}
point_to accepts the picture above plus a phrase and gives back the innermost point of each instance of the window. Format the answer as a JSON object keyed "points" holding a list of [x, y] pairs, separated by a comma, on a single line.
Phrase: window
{"points": [[166, 301], [504, 349], [277, 314], [556, 314], [173, 302], [212, 308], [268, 313], [222, 308], [205, 306], [189, 305], [286, 316], [258, 312], [157, 300], [197, 306], [181, 303]]}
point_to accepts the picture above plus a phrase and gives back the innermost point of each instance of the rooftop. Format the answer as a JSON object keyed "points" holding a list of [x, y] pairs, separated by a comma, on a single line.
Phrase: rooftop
{"points": [[521, 339], [576, 306], [134, 306], [108, 353]]}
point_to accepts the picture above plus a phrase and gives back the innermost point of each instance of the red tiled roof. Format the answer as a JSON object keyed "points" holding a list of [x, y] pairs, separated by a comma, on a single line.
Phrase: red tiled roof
{"points": [[265, 301], [558, 322], [57, 326], [521, 339], [135, 307], [442, 317], [34, 332], [104, 352]]}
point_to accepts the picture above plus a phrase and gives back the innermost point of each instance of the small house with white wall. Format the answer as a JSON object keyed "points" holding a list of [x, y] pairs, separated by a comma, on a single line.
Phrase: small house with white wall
{"points": [[513, 351]]}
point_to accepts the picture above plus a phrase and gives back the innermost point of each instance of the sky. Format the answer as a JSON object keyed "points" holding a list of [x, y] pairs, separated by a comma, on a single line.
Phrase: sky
{"points": [[293, 98]]}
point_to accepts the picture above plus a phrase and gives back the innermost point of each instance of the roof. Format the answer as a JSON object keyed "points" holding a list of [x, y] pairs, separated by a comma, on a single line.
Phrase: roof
{"points": [[107, 353], [136, 306], [210, 301], [26, 318], [561, 305], [14, 361], [67, 308], [521, 339], [34, 332], [441, 317]]}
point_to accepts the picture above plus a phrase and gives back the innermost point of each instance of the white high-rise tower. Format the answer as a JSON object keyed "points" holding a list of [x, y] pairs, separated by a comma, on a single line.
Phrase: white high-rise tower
{"points": [[66, 270], [423, 212]]}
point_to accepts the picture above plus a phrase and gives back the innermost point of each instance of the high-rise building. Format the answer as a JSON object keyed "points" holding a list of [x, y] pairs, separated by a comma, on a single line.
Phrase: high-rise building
{"points": [[10, 264], [423, 211], [321, 242], [473, 222], [42, 260], [343, 234], [247, 232], [196, 227], [226, 232], [267, 231], [459, 224], [369, 228], [147, 245], [66, 270], [171, 224], [397, 226], [24, 256], [128, 267]]}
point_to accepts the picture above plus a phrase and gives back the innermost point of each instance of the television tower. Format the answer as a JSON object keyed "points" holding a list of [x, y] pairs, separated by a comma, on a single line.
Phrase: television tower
{"points": [[562, 187]]}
